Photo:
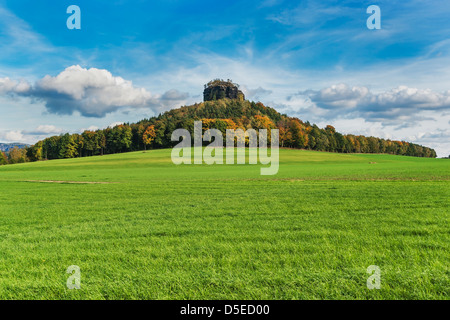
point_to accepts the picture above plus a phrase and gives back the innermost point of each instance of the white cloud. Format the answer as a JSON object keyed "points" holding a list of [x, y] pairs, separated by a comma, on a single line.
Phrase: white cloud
{"points": [[255, 94], [90, 128], [92, 92], [44, 130], [30, 136], [114, 124], [11, 86], [12, 136], [392, 106]]}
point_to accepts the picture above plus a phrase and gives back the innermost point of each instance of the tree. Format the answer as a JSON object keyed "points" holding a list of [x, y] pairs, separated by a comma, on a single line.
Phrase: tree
{"points": [[51, 147], [314, 136], [284, 131], [68, 147], [299, 136], [79, 143], [90, 142], [262, 122], [373, 145], [3, 158], [330, 133], [340, 142], [330, 129], [125, 135], [101, 141], [160, 128], [138, 136], [17, 155], [36, 152], [149, 135]]}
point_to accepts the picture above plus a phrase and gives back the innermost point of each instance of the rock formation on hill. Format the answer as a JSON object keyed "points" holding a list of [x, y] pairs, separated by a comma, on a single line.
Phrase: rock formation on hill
{"points": [[220, 89]]}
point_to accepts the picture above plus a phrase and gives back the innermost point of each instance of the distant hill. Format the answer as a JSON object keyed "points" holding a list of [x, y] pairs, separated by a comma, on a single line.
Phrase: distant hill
{"points": [[221, 114], [5, 147], [224, 108]]}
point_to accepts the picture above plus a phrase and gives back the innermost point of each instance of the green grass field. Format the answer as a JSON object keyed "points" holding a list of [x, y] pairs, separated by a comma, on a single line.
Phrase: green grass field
{"points": [[160, 231]]}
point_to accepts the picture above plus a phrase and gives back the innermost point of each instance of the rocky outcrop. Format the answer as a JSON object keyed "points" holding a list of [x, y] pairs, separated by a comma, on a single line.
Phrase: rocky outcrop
{"points": [[219, 89]]}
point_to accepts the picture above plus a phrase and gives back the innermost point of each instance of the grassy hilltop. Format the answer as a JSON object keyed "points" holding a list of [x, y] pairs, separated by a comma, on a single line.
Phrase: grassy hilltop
{"points": [[153, 230]]}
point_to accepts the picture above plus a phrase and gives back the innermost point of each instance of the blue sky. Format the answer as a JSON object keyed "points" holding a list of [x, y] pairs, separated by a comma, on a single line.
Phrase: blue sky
{"points": [[312, 59]]}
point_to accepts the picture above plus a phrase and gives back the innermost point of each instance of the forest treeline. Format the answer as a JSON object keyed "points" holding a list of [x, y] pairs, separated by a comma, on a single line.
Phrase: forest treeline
{"points": [[155, 133]]}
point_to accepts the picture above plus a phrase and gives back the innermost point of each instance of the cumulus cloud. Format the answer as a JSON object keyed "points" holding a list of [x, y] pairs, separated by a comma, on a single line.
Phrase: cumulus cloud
{"points": [[92, 92], [11, 86], [12, 136], [30, 136], [255, 94], [439, 135], [391, 106], [45, 130], [114, 124], [170, 98], [90, 128]]}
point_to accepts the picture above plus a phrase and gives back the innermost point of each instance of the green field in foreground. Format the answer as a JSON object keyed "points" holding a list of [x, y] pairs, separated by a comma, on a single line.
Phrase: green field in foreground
{"points": [[160, 231]]}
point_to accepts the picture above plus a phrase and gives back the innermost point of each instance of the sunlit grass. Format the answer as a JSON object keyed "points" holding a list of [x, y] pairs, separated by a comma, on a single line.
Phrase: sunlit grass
{"points": [[162, 231]]}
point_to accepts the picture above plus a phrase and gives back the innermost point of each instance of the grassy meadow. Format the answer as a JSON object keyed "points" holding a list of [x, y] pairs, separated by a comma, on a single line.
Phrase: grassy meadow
{"points": [[154, 230]]}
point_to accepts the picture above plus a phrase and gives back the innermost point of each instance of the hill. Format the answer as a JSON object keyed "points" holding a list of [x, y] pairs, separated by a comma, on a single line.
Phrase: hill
{"points": [[222, 114], [6, 147]]}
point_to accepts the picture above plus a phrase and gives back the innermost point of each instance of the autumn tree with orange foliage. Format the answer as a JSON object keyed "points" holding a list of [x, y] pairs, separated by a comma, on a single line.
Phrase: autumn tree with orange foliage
{"points": [[299, 138], [149, 135]]}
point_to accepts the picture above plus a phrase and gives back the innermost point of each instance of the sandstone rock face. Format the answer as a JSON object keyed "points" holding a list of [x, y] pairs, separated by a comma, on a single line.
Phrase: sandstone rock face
{"points": [[219, 89]]}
